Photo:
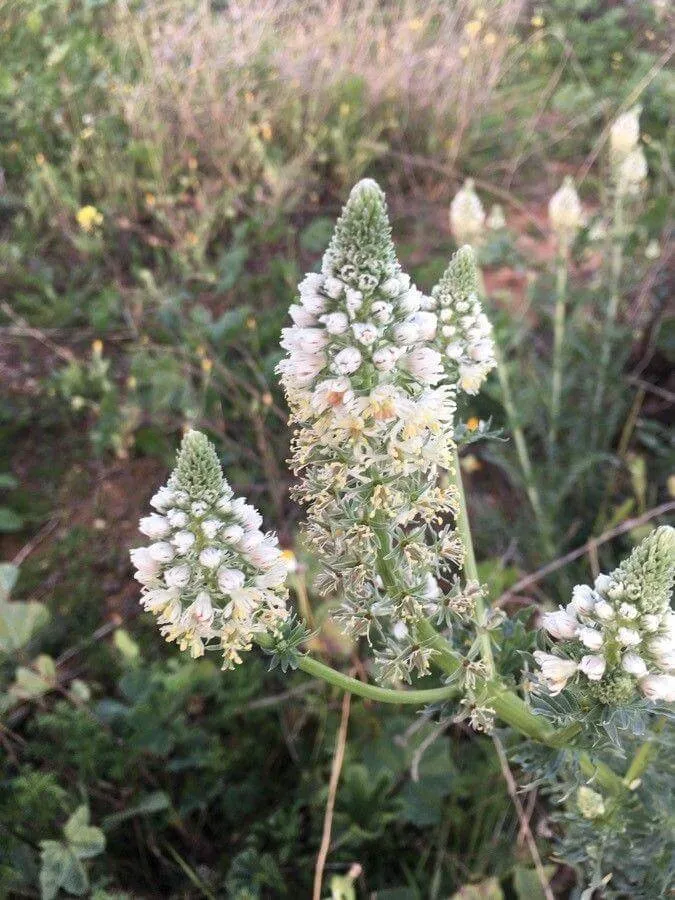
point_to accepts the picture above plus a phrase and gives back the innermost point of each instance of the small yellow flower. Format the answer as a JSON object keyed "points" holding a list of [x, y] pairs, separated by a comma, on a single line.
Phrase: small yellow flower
{"points": [[266, 131], [191, 239], [464, 51], [344, 110], [150, 200], [40, 159], [132, 382], [251, 323], [416, 24], [207, 365], [473, 27], [490, 39], [97, 347], [89, 218], [192, 164], [472, 423], [537, 21]]}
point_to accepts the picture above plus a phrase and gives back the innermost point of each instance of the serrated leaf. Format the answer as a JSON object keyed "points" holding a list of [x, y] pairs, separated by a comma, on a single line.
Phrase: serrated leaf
{"points": [[153, 803], [84, 839]]}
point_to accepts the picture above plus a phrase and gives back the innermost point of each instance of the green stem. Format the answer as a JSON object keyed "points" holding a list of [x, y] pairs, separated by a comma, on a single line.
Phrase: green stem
{"points": [[558, 338], [372, 692], [641, 759], [601, 773], [616, 266], [470, 567]]}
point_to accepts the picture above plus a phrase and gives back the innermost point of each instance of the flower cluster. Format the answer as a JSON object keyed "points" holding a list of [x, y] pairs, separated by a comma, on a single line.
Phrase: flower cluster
{"points": [[373, 426], [464, 333], [619, 635], [564, 211], [210, 575], [629, 165], [467, 216]]}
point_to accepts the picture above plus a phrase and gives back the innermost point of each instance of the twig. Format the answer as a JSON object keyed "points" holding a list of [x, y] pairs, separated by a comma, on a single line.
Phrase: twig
{"points": [[336, 768], [512, 788], [537, 576], [35, 333]]}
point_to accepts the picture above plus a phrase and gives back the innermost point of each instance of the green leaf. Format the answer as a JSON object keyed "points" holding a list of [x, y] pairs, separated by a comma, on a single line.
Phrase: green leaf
{"points": [[8, 576], [84, 839], [18, 620], [29, 684], [60, 868], [9, 520], [153, 803], [484, 890], [527, 885], [7, 481], [126, 645]]}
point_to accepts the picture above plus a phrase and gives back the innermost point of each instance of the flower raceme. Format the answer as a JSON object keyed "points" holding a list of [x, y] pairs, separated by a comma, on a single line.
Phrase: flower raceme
{"points": [[209, 575], [372, 395], [620, 635]]}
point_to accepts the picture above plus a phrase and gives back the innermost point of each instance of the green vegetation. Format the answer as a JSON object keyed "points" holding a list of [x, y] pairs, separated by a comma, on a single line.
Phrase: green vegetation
{"points": [[167, 174]]}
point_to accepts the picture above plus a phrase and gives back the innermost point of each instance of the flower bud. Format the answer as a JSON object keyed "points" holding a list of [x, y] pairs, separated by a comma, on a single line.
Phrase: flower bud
{"points": [[593, 666], [467, 216], [659, 687], [564, 211], [560, 624]]}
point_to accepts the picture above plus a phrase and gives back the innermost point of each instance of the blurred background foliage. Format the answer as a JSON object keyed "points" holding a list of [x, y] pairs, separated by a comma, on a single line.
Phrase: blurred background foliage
{"points": [[169, 171]]}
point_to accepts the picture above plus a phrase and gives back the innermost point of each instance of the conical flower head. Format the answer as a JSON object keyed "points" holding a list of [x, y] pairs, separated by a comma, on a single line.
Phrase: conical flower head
{"points": [[361, 245], [621, 633], [464, 334], [197, 470], [209, 575], [373, 426], [646, 578]]}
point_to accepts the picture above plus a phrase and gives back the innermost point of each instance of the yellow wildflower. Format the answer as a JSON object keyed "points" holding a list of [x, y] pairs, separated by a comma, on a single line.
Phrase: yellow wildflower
{"points": [[473, 27], [89, 218]]}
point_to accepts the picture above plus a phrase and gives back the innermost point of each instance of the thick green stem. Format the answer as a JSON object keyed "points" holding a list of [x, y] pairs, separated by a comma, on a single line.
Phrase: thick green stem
{"points": [[470, 567], [558, 339], [372, 692]]}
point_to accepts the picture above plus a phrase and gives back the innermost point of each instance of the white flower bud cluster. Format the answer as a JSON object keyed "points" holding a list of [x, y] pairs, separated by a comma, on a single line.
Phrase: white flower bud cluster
{"points": [[467, 216], [614, 635], [564, 211], [628, 161], [373, 423], [464, 333], [209, 575]]}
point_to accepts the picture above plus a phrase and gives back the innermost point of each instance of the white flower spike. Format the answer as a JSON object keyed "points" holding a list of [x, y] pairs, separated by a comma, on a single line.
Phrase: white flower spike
{"points": [[216, 580]]}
